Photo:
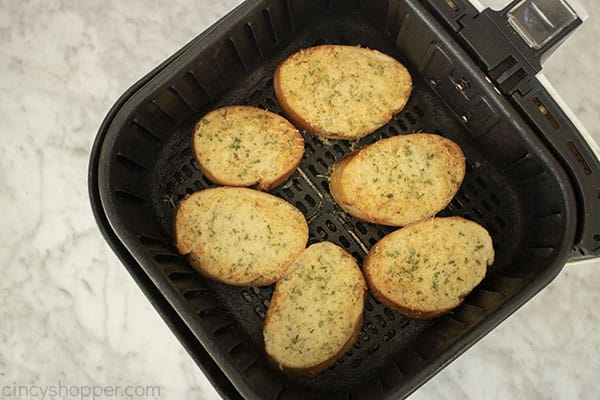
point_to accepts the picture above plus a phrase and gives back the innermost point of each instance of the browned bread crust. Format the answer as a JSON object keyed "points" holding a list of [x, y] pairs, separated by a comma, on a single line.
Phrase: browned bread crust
{"points": [[316, 311], [426, 269], [246, 146], [399, 180], [341, 92], [239, 236]]}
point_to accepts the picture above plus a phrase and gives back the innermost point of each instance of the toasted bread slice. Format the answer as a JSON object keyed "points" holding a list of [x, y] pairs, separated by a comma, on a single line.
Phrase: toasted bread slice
{"points": [[316, 311], [239, 236], [341, 92], [426, 269], [245, 146], [399, 180]]}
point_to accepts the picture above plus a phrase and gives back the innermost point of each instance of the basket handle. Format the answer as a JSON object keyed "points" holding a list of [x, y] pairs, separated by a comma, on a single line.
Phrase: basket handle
{"points": [[542, 24], [512, 43]]}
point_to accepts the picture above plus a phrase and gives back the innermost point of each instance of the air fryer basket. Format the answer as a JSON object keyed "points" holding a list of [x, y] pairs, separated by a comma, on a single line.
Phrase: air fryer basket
{"points": [[513, 186]]}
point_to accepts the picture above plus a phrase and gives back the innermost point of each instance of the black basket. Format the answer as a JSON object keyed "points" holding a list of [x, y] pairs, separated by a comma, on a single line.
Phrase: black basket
{"points": [[142, 166]]}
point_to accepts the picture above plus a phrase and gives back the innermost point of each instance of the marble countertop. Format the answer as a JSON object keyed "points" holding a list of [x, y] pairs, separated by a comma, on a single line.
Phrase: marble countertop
{"points": [[71, 315]]}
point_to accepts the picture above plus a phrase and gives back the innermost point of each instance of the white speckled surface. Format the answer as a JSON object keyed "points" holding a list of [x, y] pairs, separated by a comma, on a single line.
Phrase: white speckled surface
{"points": [[69, 311]]}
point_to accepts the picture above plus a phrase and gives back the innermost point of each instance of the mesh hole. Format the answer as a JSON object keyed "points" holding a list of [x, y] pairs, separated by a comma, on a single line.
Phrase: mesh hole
{"points": [[386, 134], [472, 189], [402, 125], [373, 349], [322, 233], [330, 225], [195, 294], [206, 180], [288, 193], [179, 177], [389, 314], [194, 164], [323, 163], [486, 205], [361, 227], [389, 335], [339, 149], [271, 103], [344, 241], [311, 202], [457, 204], [490, 228], [371, 327], [181, 275], [297, 184], [494, 199], [246, 296], [254, 96], [344, 40], [186, 152], [500, 221], [481, 182], [151, 241], [259, 312], [301, 207], [213, 311], [364, 336]]}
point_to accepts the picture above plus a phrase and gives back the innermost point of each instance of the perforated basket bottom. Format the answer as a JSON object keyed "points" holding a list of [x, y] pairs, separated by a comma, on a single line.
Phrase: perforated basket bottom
{"points": [[486, 196]]}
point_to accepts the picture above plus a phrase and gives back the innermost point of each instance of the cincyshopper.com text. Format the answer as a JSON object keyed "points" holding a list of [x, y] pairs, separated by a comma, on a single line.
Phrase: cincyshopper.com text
{"points": [[63, 391]]}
